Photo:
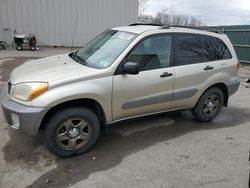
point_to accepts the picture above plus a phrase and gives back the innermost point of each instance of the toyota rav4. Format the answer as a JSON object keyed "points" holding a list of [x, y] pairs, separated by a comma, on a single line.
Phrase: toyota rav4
{"points": [[123, 73]]}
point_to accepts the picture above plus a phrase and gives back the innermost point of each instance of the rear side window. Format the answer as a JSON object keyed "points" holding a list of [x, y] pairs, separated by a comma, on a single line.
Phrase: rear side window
{"points": [[192, 48], [215, 49], [188, 49]]}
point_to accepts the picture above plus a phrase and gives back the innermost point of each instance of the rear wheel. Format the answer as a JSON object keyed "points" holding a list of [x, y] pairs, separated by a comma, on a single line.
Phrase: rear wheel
{"points": [[33, 48], [72, 131], [209, 105]]}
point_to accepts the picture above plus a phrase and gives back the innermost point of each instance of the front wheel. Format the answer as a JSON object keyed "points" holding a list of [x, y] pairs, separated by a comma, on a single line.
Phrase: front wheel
{"points": [[209, 105], [19, 47], [72, 131]]}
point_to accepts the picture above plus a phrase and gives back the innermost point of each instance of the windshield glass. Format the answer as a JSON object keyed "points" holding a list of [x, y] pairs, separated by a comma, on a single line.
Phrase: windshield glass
{"points": [[102, 51]]}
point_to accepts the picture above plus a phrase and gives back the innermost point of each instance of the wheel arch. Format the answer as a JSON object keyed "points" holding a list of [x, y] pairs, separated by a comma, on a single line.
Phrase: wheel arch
{"points": [[223, 88], [83, 102]]}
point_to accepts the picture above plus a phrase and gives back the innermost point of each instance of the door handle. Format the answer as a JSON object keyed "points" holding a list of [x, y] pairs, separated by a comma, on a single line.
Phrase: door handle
{"points": [[166, 74], [208, 68]]}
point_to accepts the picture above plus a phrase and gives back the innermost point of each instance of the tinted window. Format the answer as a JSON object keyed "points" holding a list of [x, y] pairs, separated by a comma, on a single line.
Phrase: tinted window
{"points": [[215, 49], [188, 49], [191, 49], [152, 53], [208, 50]]}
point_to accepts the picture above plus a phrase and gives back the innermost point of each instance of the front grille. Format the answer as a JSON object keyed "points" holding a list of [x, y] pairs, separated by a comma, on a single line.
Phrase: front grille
{"points": [[9, 86]]}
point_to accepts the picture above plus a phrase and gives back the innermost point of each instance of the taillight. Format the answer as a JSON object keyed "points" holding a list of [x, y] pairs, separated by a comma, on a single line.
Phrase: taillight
{"points": [[238, 66]]}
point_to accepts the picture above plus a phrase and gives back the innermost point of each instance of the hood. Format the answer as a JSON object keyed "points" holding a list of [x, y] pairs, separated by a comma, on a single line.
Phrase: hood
{"points": [[48, 69]]}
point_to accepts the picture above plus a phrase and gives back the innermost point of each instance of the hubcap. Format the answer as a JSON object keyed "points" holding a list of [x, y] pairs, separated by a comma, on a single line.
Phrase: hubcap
{"points": [[211, 105], [73, 133]]}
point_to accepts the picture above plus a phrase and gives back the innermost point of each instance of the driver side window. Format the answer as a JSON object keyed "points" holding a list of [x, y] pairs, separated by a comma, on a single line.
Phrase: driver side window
{"points": [[152, 53]]}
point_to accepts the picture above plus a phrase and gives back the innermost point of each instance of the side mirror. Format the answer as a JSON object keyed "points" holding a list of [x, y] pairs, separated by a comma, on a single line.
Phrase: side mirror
{"points": [[131, 68]]}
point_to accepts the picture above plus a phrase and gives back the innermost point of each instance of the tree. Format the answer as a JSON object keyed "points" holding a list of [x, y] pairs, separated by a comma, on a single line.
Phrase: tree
{"points": [[167, 16], [143, 5]]}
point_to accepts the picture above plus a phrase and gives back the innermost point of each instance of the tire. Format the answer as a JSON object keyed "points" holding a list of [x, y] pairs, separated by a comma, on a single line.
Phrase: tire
{"points": [[62, 131], [19, 47], [33, 48], [209, 105]]}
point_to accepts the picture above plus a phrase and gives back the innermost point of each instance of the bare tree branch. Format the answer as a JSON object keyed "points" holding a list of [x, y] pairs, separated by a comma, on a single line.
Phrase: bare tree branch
{"points": [[167, 16]]}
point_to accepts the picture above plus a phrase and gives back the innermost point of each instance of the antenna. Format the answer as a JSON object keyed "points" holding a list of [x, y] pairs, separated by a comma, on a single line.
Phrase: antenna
{"points": [[74, 33]]}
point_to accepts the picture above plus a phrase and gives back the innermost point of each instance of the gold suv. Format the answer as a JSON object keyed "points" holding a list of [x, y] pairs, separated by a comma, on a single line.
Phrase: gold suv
{"points": [[123, 73]]}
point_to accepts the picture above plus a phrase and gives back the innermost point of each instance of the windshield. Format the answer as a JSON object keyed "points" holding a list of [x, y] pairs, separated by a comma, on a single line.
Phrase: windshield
{"points": [[102, 51]]}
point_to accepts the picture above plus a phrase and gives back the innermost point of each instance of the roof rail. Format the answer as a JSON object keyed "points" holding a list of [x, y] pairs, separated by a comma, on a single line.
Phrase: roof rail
{"points": [[204, 28], [152, 24]]}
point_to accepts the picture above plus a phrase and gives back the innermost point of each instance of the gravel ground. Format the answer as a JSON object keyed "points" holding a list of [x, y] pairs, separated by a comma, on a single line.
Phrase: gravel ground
{"points": [[170, 150]]}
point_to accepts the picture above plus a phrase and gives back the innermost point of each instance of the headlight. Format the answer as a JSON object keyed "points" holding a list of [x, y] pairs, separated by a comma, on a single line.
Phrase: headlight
{"points": [[28, 91]]}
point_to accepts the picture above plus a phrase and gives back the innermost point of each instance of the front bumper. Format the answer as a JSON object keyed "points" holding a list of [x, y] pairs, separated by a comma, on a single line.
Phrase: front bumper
{"points": [[27, 119]]}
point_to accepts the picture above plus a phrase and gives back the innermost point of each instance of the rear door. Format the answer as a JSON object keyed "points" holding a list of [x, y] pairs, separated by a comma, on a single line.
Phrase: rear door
{"points": [[196, 62]]}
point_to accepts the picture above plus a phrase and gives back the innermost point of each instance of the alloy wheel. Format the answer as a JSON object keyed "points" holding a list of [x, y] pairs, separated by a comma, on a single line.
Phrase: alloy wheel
{"points": [[211, 105], [73, 133]]}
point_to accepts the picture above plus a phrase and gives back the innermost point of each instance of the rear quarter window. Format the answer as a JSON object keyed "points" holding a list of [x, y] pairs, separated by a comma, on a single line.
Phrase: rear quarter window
{"points": [[215, 49]]}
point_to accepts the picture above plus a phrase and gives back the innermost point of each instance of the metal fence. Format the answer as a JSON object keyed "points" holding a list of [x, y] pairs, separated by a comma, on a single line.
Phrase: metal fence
{"points": [[240, 37]]}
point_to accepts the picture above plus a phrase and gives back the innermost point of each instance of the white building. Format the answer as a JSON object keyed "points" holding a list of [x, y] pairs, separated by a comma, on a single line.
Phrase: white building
{"points": [[54, 21]]}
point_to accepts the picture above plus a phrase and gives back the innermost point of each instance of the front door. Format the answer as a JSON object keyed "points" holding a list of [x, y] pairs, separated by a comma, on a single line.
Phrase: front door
{"points": [[149, 91]]}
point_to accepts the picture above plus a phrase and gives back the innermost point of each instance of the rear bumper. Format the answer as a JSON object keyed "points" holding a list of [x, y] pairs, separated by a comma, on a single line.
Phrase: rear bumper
{"points": [[27, 119], [232, 87]]}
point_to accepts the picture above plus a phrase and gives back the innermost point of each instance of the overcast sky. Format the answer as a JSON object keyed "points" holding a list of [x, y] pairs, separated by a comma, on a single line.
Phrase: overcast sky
{"points": [[211, 12]]}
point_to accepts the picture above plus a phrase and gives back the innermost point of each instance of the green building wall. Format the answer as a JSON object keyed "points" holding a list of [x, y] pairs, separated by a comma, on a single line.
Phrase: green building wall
{"points": [[240, 38]]}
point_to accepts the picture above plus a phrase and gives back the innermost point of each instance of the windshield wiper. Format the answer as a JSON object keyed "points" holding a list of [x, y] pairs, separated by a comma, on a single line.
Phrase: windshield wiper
{"points": [[78, 58]]}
